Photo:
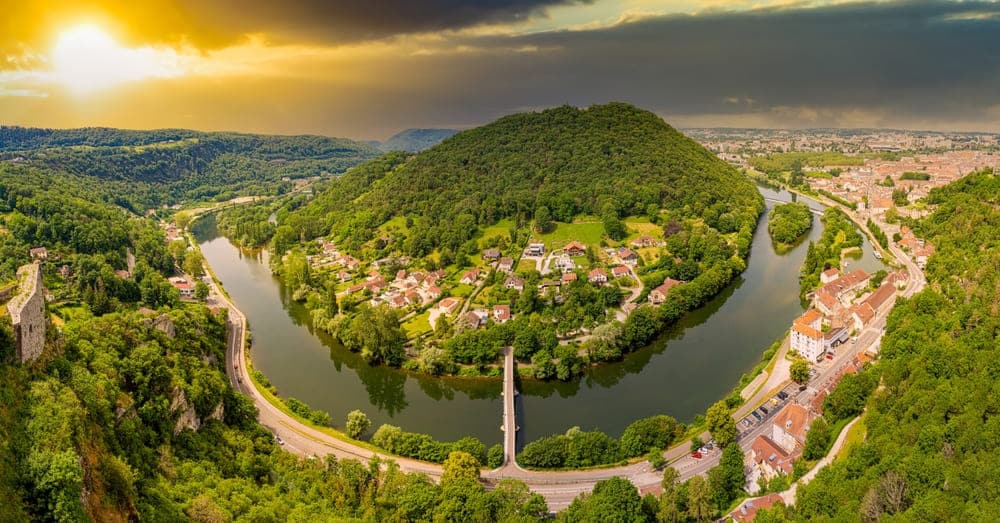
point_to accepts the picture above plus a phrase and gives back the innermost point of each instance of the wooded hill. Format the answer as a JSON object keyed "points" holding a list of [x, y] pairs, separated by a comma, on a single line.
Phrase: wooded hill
{"points": [[173, 165], [605, 159]]}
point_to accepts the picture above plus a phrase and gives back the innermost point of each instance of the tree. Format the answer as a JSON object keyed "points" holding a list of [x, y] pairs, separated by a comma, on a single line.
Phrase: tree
{"points": [[357, 423], [655, 458], [376, 333], [459, 466], [182, 220], [800, 371], [699, 502], [494, 456], [201, 290], [817, 439], [543, 220], [721, 424], [726, 480], [194, 263], [696, 443]]}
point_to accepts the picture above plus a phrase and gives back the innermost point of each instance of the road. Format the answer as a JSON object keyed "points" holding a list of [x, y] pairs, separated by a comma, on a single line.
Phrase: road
{"points": [[558, 487]]}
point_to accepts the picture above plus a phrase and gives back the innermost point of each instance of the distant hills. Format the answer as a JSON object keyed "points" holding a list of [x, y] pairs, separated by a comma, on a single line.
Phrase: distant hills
{"points": [[172, 165], [416, 140]]}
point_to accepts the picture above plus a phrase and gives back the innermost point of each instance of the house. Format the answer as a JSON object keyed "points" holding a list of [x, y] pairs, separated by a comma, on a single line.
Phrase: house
{"points": [[845, 287], [39, 253], [449, 305], [506, 264], [351, 263], [564, 263], [659, 294], [811, 318], [620, 271], [628, 256], [474, 319], [748, 510], [643, 241], [921, 254], [575, 248], [598, 276], [549, 284], [491, 254], [807, 341], [898, 278], [501, 313], [355, 288], [414, 298], [568, 278], [790, 427], [184, 287], [825, 302], [344, 276], [767, 460], [829, 275], [397, 302], [835, 337], [515, 283], [470, 277], [862, 315], [434, 292], [401, 274], [535, 249]]}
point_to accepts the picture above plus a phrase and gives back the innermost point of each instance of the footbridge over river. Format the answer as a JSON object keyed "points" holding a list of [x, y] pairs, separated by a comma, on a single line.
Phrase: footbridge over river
{"points": [[509, 426]]}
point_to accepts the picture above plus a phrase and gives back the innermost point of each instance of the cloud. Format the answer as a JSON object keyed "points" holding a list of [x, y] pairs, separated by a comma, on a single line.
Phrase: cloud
{"points": [[212, 24]]}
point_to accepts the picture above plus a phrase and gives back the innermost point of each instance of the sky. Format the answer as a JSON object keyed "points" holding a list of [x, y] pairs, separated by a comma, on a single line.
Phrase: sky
{"points": [[366, 70]]}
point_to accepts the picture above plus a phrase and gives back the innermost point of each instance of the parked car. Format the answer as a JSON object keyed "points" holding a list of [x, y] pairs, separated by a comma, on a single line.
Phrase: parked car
{"points": [[278, 440], [764, 409], [754, 414], [783, 395], [696, 455]]}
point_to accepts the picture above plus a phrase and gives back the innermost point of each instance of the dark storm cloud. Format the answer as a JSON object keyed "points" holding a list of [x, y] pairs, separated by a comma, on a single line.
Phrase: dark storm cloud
{"points": [[907, 61], [353, 20]]}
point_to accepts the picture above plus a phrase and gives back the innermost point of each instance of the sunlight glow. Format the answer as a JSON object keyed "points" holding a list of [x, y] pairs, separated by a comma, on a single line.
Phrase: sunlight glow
{"points": [[86, 59]]}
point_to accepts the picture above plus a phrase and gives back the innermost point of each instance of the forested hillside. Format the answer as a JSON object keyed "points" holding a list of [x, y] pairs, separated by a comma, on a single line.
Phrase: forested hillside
{"points": [[609, 159], [931, 451], [416, 140], [128, 414], [169, 166]]}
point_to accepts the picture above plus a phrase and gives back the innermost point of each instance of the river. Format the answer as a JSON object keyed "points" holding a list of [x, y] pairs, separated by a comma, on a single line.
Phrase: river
{"points": [[690, 366]]}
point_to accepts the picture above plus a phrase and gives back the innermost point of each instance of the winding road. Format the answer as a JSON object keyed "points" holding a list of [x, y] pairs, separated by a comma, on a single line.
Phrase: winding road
{"points": [[558, 487]]}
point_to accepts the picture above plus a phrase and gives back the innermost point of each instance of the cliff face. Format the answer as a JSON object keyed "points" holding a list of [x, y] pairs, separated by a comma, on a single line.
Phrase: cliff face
{"points": [[27, 313]]}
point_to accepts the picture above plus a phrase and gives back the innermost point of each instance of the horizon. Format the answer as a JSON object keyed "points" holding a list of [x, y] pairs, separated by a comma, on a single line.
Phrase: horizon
{"points": [[340, 69]]}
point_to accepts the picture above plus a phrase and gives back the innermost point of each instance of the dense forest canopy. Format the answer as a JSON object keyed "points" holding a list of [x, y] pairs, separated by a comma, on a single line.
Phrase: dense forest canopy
{"points": [[169, 166], [789, 221], [606, 159]]}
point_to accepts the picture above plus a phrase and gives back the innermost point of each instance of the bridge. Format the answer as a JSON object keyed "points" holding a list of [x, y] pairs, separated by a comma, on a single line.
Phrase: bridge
{"points": [[509, 426], [817, 212]]}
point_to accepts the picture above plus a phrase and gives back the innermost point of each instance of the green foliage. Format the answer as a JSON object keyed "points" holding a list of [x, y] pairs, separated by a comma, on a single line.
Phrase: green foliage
{"points": [[800, 371], [613, 500], [879, 234], [788, 222], [494, 457], [915, 176], [720, 423], [376, 333], [357, 424], [299, 407], [149, 168], [726, 479], [394, 440], [574, 449], [817, 439], [780, 162], [646, 433]]}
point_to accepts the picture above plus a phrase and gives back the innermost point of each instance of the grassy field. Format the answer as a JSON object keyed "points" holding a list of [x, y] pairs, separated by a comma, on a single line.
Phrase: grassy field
{"points": [[640, 226], [501, 228], [462, 291], [417, 325], [589, 233], [397, 223], [525, 265], [854, 436]]}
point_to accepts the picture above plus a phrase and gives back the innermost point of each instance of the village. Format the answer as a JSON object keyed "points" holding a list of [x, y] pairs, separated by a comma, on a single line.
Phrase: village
{"points": [[428, 295]]}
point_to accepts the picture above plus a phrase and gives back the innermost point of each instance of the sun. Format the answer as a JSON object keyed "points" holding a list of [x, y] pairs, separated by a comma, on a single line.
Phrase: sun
{"points": [[85, 59]]}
